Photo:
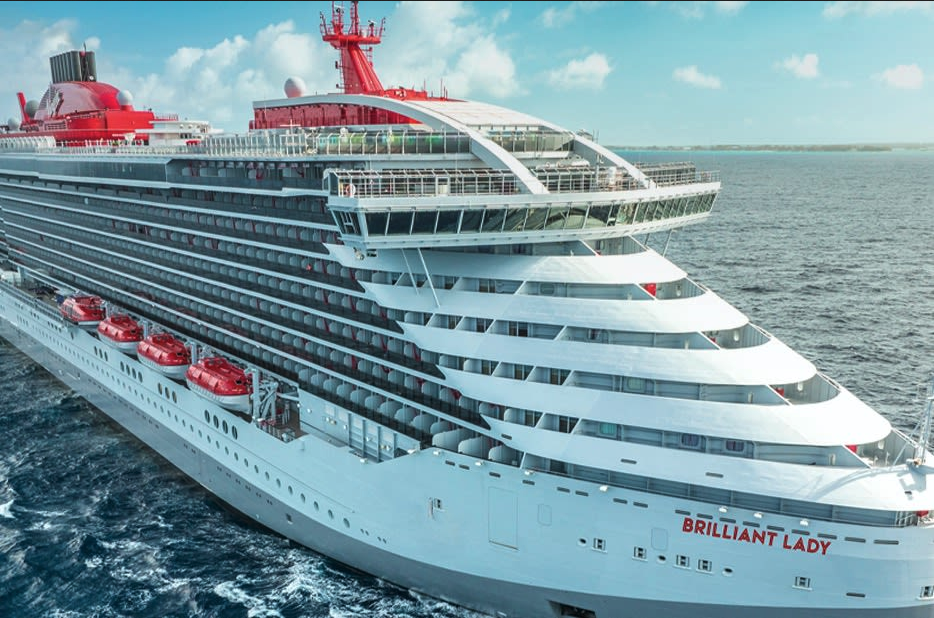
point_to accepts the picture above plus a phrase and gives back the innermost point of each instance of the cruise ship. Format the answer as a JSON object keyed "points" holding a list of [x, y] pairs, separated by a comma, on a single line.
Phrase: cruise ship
{"points": [[427, 337]]}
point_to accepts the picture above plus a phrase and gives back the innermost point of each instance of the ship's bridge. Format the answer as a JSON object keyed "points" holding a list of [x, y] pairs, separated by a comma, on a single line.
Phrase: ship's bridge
{"points": [[523, 179]]}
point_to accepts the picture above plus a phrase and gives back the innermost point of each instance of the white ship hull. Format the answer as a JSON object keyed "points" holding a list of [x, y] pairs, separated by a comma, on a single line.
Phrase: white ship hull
{"points": [[500, 540]]}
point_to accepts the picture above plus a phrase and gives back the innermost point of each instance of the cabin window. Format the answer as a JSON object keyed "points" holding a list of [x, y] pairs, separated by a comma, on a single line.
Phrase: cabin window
{"points": [[376, 222], [635, 385], [803, 582], [704, 565], [599, 544], [639, 553], [735, 446], [683, 561], [927, 592], [690, 440]]}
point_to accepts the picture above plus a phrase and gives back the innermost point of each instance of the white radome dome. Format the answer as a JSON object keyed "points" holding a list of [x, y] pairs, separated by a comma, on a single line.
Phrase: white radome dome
{"points": [[125, 97], [294, 87], [32, 107], [13, 124]]}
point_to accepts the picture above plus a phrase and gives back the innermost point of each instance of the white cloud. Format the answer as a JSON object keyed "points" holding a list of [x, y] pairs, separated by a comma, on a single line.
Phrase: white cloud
{"points": [[553, 17], [28, 47], [690, 75], [220, 81], [454, 46], [697, 10], [804, 67], [903, 76], [588, 73], [730, 7], [841, 9], [483, 67]]}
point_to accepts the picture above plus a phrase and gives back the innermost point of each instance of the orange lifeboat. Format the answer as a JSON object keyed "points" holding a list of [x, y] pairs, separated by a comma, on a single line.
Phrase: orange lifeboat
{"points": [[164, 353], [218, 380], [121, 331], [84, 310]]}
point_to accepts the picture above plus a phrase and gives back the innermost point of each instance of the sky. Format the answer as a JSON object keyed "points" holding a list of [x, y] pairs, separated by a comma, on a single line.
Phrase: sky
{"points": [[632, 73]]}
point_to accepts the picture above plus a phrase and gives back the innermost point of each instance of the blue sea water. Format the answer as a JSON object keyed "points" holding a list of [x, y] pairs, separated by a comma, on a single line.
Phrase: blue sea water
{"points": [[830, 252]]}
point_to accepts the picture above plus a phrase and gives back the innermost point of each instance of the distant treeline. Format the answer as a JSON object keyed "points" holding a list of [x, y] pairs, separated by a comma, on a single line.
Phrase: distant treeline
{"points": [[790, 147]]}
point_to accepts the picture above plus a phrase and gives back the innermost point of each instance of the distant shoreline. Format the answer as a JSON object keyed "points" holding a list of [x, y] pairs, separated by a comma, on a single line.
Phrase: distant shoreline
{"points": [[789, 147]]}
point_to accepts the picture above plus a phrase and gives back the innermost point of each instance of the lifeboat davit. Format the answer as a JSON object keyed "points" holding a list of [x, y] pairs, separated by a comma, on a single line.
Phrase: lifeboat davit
{"points": [[121, 331], [165, 354], [84, 310], [218, 380]]}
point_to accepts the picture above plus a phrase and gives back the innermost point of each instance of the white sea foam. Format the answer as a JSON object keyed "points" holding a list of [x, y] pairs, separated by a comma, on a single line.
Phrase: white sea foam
{"points": [[5, 510]]}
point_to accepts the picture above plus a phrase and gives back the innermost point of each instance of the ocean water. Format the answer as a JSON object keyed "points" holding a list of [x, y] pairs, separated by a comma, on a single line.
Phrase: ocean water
{"points": [[830, 252]]}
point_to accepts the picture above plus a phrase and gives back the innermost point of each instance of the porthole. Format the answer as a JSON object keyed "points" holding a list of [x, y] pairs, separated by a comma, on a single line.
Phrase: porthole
{"points": [[290, 490], [226, 451], [316, 505], [207, 416], [200, 435], [346, 523], [174, 398], [224, 425], [217, 422], [246, 462], [267, 476], [303, 498], [279, 483], [256, 468], [330, 514], [233, 432]]}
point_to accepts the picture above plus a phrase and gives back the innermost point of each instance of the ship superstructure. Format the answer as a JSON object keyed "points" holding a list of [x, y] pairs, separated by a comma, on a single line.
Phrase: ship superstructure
{"points": [[449, 360]]}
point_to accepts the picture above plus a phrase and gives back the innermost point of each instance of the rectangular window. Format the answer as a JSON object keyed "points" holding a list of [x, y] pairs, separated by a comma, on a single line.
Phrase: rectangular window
{"points": [[608, 430], [558, 376], [519, 329], [348, 221], [639, 553], [683, 561], [735, 446], [704, 565], [566, 424], [599, 544], [927, 592], [803, 582], [690, 440], [635, 385]]}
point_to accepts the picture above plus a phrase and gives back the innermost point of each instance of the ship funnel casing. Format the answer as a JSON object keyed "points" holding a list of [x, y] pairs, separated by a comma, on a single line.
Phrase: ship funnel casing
{"points": [[74, 66]]}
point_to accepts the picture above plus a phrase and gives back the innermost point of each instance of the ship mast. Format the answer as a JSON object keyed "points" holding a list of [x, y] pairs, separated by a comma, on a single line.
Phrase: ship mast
{"points": [[926, 427], [356, 48]]}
